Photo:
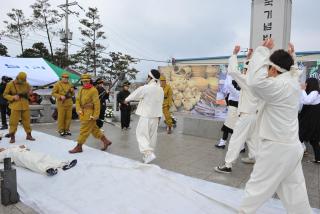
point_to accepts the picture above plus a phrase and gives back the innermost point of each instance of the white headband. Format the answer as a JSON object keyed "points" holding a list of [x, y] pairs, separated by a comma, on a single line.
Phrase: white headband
{"points": [[151, 75], [281, 70]]}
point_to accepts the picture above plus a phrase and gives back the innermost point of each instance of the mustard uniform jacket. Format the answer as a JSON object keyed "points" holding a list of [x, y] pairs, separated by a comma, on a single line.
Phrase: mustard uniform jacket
{"points": [[167, 102], [88, 102], [61, 89], [13, 89]]}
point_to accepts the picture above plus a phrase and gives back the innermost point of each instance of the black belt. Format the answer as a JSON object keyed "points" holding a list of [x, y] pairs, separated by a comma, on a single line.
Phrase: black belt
{"points": [[233, 103]]}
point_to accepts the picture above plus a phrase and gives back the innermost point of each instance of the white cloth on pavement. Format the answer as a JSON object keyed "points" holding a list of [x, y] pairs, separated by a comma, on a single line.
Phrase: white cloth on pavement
{"points": [[106, 183]]}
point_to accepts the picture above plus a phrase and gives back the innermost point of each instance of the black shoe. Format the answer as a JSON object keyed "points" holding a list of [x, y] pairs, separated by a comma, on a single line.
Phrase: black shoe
{"points": [[223, 169], [67, 133], [243, 150], [220, 146], [4, 127], [52, 172], [70, 165], [8, 135], [62, 134]]}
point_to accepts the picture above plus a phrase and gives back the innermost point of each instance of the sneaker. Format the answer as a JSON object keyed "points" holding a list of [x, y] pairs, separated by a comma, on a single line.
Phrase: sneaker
{"points": [[62, 133], [248, 160], [67, 133], [243, 150], [221, 144], [148, 158], [223, 169], [70, 165], [51, 172]]}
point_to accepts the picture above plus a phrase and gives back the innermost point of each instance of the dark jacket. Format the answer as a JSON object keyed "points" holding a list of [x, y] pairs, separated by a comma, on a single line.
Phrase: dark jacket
{"points": [[122, 95], [3, 101], [103, 95]]}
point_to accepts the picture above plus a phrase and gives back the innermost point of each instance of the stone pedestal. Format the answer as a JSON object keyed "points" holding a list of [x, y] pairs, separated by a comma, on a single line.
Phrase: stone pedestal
{"points": [[47, 110], [202, 127]]}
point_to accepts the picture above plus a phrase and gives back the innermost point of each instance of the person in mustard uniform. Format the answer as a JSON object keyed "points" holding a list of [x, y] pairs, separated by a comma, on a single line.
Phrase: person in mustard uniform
{"points": [[88, 109], [63, 92], [17, 93], [167, 102]]}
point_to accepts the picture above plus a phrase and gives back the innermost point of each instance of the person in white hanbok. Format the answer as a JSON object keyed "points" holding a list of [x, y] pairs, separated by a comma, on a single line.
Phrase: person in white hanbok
{"points": [[35, 161], [150, 97], [247, 111], [279, 153], [231, 88]]}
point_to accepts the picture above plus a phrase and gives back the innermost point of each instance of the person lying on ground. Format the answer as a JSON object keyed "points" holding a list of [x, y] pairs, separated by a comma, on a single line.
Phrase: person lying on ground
{"points": [[35, 161]]}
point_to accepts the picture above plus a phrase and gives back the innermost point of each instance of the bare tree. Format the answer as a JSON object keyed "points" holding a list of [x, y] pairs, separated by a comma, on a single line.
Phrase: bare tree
{"points": [[91, 34], [45, 18]]}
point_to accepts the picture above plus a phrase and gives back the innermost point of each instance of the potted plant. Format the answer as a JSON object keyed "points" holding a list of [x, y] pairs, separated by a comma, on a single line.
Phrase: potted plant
{"points": [[109, 114]]}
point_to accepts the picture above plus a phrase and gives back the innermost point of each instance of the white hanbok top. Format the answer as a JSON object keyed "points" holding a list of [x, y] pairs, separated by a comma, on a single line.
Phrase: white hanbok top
{"points": [[229, 87], [150, 99], [279, 116], [313, 98], [248, 102]]}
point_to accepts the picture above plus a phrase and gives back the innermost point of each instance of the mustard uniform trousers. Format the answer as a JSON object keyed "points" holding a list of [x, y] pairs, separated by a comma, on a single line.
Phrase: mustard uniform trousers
{"points": [[167, 116], [88, 127], [64, 118], [15, 116]]}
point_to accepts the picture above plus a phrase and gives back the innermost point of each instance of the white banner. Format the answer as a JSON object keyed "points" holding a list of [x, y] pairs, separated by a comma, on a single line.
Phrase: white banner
{"points": [[271, 18], [38, 71]]}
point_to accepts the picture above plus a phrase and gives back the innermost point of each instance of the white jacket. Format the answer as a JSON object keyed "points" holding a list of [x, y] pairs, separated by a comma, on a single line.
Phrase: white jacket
{"points": [[229, 88], [248, 102], [151, 99], [279, 117]]}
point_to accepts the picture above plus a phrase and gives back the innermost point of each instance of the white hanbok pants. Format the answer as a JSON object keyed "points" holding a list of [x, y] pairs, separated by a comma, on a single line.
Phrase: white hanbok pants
{"points": [[146, 132], [37, 162], [243, 132], [277, 169]]}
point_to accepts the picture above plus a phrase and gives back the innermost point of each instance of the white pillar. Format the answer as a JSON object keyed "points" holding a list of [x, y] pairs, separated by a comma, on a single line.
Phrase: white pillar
{"points": [[271, 18]]}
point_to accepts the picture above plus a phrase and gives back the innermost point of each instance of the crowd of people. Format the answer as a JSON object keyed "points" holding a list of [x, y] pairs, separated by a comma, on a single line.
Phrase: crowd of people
{"points": [[263, 113]]}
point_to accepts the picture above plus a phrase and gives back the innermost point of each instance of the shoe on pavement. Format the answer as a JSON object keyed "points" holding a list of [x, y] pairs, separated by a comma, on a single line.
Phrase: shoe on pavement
{"points": [[248, 160], [148, 158], [243, 150], [70, 165], [52, 172], [223, 169], [221, 144]]}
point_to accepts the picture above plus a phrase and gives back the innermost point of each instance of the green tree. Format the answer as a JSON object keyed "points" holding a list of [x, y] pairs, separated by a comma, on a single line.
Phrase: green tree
{"points": [[38, 50], [17, 27], [117, 65], [60, 59], [91, 32], [3, 50], [45, 18]]}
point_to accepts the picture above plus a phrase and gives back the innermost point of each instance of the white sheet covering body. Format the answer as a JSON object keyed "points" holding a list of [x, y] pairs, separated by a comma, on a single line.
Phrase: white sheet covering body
{"points": [[247, 110], [34, 161], [106, 183], [149, 109], [278, 163]]}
